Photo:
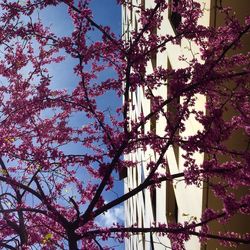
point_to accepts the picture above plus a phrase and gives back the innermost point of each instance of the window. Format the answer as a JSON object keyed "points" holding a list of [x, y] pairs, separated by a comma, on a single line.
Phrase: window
{"points": [[153, 201], [171, 205], [153, 59], [152, 120], [173, 112], [153, 54], [174, 16], [143, 4], [123, 173]]}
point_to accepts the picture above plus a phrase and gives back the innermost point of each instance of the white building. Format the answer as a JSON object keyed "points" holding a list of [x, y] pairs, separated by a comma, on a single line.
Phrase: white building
{"points": [[172, 202]]}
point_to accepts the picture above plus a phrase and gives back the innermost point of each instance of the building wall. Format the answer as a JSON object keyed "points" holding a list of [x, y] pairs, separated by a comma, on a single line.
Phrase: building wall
{"points": [[239, 223], [171, 202]]}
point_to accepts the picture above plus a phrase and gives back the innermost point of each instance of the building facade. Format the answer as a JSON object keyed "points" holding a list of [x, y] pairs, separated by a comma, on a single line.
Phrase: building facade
{"points": [[172, 202]]}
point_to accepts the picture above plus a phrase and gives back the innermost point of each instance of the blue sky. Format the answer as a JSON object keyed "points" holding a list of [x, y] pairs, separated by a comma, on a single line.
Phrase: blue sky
{"points": [[105, 12]]}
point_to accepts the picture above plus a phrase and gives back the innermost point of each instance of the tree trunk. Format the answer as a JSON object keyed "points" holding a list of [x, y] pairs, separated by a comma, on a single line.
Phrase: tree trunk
{"points": [[72, 242]]}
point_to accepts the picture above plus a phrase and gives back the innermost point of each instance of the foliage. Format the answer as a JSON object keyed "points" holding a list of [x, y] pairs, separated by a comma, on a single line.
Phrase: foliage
{"points": [[37, 131]]}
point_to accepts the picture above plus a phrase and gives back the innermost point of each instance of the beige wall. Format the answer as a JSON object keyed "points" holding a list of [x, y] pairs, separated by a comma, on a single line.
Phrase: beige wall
{"points": [[238, 141]]}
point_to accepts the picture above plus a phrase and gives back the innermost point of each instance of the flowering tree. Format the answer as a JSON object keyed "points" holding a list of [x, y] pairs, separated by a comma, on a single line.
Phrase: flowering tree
{"points": [[37, 132]]}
